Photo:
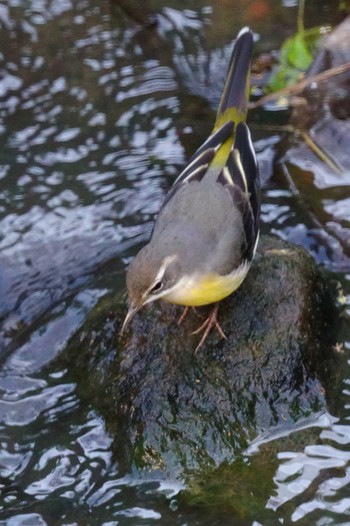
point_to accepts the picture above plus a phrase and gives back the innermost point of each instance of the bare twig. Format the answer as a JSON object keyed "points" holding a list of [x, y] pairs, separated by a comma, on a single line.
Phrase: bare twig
{"points": [[320, 152], [292, 90]]}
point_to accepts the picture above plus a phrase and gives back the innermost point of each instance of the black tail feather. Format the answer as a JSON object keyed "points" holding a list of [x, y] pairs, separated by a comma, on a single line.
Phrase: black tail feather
{"points": [[235, 93]]}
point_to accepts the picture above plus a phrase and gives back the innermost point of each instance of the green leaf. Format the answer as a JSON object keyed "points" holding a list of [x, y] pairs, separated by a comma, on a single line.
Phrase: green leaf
{"points": [[299, 55], [295, 58]]}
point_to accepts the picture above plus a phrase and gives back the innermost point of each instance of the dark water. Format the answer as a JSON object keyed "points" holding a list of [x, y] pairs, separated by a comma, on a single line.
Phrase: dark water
{"points": [[97, 116]]}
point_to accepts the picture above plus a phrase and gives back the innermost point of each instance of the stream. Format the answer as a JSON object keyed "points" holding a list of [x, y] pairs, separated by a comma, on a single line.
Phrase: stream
{"points": [[101, 105]]}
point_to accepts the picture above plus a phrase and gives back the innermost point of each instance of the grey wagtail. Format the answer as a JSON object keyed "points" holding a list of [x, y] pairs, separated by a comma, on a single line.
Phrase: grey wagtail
{"points": [[206, 233]]}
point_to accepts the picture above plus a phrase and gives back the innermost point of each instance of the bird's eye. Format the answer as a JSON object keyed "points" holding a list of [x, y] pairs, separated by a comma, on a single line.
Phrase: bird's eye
{"points": [[157, 286]]}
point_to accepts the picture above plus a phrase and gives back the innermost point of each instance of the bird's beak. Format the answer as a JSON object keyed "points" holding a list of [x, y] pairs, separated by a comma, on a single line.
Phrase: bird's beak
{"points": [[130, 314]]}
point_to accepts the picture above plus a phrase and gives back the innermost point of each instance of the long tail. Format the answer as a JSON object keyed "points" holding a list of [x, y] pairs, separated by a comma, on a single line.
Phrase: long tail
{"points": [[234, 99], [212, 157]]}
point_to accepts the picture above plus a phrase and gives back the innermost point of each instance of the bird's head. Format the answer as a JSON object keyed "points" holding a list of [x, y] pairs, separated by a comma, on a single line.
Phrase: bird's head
{"points": [[150, 276]]}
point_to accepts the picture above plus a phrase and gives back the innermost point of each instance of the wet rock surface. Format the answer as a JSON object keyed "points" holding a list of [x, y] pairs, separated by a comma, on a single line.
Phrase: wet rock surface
{"points": [[172, 410]]}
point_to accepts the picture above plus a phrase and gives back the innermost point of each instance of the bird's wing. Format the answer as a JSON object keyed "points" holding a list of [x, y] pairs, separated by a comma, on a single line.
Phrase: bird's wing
{"points": [[202, 160], [239, 175], [244, 186]]}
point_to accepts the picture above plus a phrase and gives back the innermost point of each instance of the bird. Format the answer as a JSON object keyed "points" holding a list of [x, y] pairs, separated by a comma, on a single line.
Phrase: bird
{"points": [[206, 232]]}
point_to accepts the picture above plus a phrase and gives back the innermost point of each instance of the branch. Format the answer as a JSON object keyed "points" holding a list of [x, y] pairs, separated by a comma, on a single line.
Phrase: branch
{"points": [[296, 88]]}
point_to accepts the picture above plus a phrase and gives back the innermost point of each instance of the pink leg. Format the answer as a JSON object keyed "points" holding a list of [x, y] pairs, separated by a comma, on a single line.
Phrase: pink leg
{"points": [[209, 323], [183, 315]]}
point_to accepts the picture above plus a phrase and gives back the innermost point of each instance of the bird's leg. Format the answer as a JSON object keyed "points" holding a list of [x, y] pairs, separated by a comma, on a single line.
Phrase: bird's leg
{"points": [[183, 315], [209, 323]]}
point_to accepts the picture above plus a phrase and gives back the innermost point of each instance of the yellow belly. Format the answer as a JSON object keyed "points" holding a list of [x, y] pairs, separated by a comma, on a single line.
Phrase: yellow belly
{"points": [[205, 289]]}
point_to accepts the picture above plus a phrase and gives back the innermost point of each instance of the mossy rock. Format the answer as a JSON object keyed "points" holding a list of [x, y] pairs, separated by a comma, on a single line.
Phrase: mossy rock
{"points": [[175, 412]]}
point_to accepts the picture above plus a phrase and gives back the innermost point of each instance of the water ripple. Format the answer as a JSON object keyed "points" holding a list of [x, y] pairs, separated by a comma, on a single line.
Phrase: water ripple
{"points": [[91, 139], [26, 410]]}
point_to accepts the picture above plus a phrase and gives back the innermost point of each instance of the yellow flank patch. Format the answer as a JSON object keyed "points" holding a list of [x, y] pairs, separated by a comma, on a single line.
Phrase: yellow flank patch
{"points": [[203, 290]]}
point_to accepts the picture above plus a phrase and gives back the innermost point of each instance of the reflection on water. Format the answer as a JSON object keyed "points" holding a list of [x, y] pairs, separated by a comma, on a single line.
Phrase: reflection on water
{"points": [[95, 123], [316, 477]]}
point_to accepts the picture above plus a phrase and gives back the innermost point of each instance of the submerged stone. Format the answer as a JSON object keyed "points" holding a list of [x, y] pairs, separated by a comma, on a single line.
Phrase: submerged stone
{"points": [[175, 411]]}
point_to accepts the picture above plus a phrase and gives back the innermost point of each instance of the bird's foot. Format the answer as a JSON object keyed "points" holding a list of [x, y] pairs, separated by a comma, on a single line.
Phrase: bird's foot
{"points": [[209, 323]]}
